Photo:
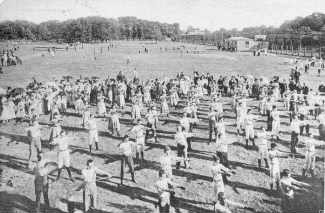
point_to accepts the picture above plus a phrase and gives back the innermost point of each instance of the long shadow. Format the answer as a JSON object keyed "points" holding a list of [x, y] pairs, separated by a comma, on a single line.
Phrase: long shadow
{"points": [[110, 158], [19, 164], [235, 164], [236, 184], [172, 147], [11, 203], [192, 176], [135, 192], [237, 143]]}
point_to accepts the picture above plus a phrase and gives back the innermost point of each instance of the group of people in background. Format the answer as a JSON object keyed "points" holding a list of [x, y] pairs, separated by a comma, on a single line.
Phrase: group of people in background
{"points": [[9, 57], [150, 100]]}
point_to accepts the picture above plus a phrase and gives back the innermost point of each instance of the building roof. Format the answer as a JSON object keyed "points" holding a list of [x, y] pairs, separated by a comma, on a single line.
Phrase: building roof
{"points": [[260, 37], [194, 32], [239, 38]]}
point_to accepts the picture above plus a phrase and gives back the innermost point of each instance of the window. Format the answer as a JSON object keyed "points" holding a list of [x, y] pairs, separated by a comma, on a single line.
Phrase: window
{"points": [[247, 44]]}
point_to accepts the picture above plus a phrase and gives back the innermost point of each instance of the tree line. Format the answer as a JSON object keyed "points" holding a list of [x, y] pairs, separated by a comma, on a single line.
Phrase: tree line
{"points": [[301, 31], [89, 29], [309, 30]]}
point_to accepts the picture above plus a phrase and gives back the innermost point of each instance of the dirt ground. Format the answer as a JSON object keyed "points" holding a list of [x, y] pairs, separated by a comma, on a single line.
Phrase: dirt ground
{"points": [[249, 186]]}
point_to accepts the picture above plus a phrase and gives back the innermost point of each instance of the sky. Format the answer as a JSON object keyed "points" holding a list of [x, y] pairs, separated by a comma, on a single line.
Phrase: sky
{"points": [[204, 14]]}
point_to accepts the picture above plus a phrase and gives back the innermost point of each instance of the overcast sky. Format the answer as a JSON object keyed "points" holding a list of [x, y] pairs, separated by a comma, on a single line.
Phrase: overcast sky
{"points": [[210, 14]]}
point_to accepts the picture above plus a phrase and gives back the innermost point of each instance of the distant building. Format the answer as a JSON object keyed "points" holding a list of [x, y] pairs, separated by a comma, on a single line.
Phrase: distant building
{"points": [[260, 37], [193, 36], [240, 43], [262, 43]]}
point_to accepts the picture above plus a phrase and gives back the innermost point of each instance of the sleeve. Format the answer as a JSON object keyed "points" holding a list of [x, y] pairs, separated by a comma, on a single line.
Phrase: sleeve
{"points": [[224, 168], [99, 171], [83, 174]]}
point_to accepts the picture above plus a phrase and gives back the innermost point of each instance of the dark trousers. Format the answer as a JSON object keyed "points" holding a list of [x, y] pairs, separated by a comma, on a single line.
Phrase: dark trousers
{"points": [[294, 141], [269, 121], [129, 161], [189, 145], [224, 161], [180, 153], [212, 129], [163, 209], [307, 126], [45, 191], [223, 158], [151, 132]]}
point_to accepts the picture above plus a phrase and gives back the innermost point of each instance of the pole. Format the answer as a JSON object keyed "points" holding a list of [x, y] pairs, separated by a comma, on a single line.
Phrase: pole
{"points": [[320, 49]]}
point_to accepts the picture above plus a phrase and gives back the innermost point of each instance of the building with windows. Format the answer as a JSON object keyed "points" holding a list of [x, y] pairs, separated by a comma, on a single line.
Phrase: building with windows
{"points": [[240, 44], [193, 36]]}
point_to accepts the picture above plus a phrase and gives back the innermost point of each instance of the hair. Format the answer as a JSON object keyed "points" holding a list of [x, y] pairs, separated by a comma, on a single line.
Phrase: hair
{"points": [[273, 145], [220, 118], [285, 173], [221, 198], [39, 156], [166, 149], [160, 173], [216, 158], [89, 161], [62, 132]]}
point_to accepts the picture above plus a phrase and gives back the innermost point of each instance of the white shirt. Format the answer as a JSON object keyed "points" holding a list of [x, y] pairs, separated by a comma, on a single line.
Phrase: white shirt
{"points": [[321, 118], [180, 138], [222, 146], [286, 184], [217, 171], [138, 130], [62, 142], [310, 146], [151, 117], [295, 126], [249, 119], [162, 186], [34, 131], [185, 122], [275, 115], [126, 148], [273, 154], [262, 140], [89, 174], [92, 125], [166, 162]]}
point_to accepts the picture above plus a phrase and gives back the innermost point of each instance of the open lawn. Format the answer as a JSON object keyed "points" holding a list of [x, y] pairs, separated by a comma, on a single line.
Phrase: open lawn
{"points": [[249, 186], [156, 64]]}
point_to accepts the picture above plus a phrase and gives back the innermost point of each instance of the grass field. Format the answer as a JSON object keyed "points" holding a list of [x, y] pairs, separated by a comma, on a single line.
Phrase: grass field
{"points": [[248, 186], [156, 64]]}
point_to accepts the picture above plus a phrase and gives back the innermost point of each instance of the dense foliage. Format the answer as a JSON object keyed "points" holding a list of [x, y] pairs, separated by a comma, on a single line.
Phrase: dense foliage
{"points": [[291, 29], [100, 29], [89, 29]]}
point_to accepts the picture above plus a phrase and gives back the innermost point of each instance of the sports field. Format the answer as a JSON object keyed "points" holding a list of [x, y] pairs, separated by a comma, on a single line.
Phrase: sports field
{"points": [[157, 64], [249, 186]]}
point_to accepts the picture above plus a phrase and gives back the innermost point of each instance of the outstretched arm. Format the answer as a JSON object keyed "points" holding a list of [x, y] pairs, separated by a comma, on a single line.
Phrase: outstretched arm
{"points": [[299, 183], [233, 203], [102, 172]]}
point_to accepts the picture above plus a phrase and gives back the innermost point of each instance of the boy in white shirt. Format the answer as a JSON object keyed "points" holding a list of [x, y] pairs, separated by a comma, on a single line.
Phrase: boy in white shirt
{"points": [[126, 148]]}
